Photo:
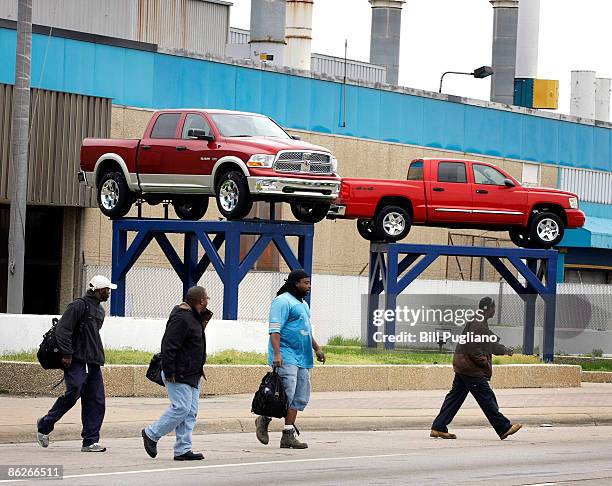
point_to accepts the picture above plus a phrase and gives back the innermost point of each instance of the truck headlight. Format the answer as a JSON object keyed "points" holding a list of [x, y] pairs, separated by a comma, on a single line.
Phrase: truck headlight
{"points": [[334, 164], [261, 160], [573, 202]]}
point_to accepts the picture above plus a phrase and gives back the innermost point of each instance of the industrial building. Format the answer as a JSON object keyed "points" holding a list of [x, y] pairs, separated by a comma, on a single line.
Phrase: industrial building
{"points": [[100, 69]]}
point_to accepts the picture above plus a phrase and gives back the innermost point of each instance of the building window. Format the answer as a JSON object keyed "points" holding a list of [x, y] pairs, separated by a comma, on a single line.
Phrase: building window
{"points": [[531, 175], [588, 276]]}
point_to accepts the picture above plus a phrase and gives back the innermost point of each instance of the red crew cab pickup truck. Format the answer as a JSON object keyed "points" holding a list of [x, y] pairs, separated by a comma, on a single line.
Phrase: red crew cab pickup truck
{"points": [[458, 194], [188, 155]]}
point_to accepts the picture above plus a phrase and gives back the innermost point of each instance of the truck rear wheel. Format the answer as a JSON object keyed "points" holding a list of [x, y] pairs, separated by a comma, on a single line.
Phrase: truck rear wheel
{"points": [[519, 237], [546, 230], [114, 196], [190, 207], [233, 196], [392, 223], [309, 212], [365, 228]]}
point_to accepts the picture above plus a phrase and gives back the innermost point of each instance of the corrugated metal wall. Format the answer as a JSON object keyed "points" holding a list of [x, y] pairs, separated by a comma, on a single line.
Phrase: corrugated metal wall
{"points": [[194, 25], [590, 185], [334, 66], [59, 123], [113, 18]]}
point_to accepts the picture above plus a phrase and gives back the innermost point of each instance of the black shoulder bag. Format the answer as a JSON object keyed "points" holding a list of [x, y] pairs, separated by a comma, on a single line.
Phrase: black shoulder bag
{"points": [[270, 399]]}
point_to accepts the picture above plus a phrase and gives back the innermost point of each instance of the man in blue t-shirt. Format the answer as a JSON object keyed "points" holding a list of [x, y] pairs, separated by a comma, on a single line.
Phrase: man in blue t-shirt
{"points": [[290, 349]]}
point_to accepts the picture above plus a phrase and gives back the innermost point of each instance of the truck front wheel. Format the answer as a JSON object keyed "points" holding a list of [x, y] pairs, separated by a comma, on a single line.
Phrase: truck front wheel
{"points": [[309, 212], [190, 207], [233, 196], [114, 196], [546, 230], [392, 223], [365, 228]]}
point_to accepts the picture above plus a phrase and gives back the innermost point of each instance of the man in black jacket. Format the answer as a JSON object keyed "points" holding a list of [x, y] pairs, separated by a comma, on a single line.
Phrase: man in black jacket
{"points": [[183, 351], [78, 337]]}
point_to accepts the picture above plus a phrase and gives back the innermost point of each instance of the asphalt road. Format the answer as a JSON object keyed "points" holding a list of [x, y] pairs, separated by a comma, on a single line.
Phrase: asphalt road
{"points": [[534, 456]]}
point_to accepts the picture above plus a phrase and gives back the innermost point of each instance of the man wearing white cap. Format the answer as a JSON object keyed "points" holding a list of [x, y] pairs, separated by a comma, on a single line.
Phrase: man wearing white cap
{"points": [[78, 337]]}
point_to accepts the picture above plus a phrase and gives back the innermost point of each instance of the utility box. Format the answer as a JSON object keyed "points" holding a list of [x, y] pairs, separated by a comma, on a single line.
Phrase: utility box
{"points": [[536, 93]]}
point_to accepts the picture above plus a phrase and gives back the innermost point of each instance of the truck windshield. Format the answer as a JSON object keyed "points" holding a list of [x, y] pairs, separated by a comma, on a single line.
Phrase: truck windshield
{"points": [[240, 125]]}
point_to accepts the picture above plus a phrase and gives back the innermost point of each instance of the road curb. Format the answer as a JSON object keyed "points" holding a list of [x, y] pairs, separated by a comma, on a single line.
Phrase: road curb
{"points": [[24, 434]]}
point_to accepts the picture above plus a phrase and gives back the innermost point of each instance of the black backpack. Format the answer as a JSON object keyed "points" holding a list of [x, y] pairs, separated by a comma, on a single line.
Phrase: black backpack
{"points": [[49, 354], [270, 400]]}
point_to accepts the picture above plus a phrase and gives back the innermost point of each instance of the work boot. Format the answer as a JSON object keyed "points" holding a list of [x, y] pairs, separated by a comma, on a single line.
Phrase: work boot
{"points": [[261, 429], [289, 441], [438, 434], [190, 456], [512, 430]]}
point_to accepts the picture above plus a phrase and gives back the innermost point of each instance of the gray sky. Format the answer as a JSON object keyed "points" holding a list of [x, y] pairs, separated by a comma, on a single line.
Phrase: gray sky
{"points": [[443, 35]]}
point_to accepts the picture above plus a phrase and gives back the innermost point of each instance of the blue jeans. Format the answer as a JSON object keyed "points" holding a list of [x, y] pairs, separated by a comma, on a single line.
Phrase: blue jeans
{"points": [[180, 416], [296, 382]]}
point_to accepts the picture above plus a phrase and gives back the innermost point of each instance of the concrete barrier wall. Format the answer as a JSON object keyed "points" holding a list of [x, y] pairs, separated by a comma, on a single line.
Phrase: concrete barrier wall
{"points": [[125, 380], [24, 332]]}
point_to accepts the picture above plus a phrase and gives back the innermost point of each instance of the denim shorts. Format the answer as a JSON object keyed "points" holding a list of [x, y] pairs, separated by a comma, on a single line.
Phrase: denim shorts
{"points": [[297, 385]]}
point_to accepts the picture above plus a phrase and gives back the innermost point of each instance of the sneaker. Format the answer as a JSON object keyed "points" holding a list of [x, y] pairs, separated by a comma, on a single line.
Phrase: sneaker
{"points": [[290, 441], [95, 447], [189, 456], [438, 434], [512, 430], [42, 439], [149, 444], [261, 429]]}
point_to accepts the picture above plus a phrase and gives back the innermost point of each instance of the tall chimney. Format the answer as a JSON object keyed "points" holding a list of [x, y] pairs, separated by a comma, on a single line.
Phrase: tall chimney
{"points": [[268, 30], [505, 20], [299, 34], [582, 101], [602, 99], [528, 36], [385, 36]]}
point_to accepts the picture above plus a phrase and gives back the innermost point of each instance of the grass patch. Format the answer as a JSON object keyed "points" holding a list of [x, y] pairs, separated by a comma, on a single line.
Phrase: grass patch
{"points": [[343, 355]]}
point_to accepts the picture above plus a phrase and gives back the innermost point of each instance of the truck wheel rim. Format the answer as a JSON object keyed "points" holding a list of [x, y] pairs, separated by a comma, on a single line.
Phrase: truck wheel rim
{"points": [[548, 229], [394, 224], [228, 195], [109, 195]]}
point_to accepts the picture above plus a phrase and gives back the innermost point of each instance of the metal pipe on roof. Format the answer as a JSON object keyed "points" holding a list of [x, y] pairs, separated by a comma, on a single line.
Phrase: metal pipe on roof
{"points": [[505, 22], [582, 102], [268, 21], [385, 36], [602, 99], [299, 34], [527, 41]]}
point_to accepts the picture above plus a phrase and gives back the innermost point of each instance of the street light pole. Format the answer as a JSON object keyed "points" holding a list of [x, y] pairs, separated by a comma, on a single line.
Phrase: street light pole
{"points": [[451, 72], [480, 73], [19, 150]]}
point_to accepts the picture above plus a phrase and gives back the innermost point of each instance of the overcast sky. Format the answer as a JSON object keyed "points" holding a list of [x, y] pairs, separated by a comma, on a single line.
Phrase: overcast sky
{"points": [[455, 35]]}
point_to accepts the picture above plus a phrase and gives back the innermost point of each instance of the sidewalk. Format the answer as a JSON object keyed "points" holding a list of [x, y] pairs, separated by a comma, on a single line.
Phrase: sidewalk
{"points": [[589, 405]]}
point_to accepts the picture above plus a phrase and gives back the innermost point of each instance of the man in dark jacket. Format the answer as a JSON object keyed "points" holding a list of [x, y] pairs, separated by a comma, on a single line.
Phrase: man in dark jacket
{"points": [[473, 366], [78, 337], [183, 351]]}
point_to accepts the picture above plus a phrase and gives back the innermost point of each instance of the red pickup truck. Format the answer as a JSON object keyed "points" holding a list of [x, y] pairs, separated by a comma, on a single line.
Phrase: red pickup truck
{"points": [[188, 155], [457, 194]]}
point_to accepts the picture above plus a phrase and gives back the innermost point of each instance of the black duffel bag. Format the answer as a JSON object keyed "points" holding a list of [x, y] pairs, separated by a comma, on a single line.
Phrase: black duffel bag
{"points": [[154, 372], [270, 399]]}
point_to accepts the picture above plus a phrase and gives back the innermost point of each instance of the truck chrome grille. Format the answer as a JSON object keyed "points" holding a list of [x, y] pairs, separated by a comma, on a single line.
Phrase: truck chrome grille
{"points": [[304, 162]]}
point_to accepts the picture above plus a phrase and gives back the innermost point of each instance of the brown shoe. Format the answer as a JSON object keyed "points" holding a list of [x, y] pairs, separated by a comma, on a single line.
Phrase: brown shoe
{"points": [[441, 435], [512, 430]]}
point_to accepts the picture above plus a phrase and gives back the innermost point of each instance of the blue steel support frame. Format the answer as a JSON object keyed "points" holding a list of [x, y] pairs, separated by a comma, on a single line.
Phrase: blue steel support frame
{"points": [[393, 268], [232, 269]]}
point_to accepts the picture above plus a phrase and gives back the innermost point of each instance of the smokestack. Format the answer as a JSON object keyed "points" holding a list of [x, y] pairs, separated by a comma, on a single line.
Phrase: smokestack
{"points": [[505, 21], [299, 33], [385, 36], [528, 35], [602, 99], [268, 31], [582, 102]]}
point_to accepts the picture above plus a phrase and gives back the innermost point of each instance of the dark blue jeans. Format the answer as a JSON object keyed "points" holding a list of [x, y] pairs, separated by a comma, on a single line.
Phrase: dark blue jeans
{"points": [[482, 392], [89, 387]]}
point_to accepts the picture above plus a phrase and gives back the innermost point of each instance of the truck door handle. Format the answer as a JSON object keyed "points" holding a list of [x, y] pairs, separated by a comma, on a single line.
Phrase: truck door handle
{"points": [[438, 189], [482, 191], [145, 147], [181, 147]]}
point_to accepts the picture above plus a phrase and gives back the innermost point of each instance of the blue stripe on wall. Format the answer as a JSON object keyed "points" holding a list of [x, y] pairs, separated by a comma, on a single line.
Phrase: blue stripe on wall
{"points": [[154, 80]]}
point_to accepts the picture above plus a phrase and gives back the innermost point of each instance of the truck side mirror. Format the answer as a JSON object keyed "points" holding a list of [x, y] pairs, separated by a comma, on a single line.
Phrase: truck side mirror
{"points": [[199, 134], [509, 183], [295, 137]]}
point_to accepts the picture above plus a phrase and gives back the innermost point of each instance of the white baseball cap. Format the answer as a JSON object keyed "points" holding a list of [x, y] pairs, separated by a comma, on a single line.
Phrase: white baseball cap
{"points": [[101, 282]]}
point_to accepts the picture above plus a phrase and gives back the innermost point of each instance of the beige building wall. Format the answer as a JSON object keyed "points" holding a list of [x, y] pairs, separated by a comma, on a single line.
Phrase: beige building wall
{"points": [[338, 248]]}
